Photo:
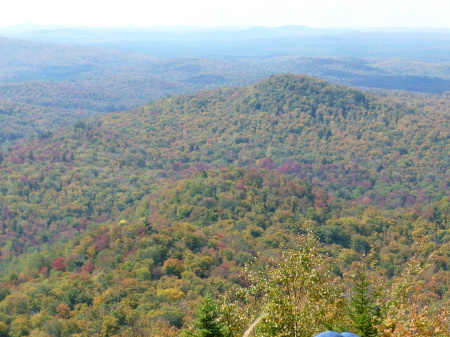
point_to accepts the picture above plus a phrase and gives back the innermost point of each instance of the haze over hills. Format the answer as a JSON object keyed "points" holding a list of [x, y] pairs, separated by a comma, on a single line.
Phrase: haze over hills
{"points": [[426, 43], [81, 81], [85, 81], [23, 61]]}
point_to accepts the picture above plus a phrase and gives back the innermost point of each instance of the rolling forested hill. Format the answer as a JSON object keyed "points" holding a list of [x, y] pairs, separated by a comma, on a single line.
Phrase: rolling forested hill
{"points": [[355, 146], [399, 73], [84, 81], [119, 224], [83, 76]]}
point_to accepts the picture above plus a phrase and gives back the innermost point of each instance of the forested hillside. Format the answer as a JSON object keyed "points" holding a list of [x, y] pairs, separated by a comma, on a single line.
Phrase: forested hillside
{"points": [[121, 223], [76, 80], [355, 146], [144, 272]]}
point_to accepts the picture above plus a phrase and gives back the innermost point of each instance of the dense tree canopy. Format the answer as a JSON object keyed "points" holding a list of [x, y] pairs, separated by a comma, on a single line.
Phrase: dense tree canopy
{"points": [[121, 224]]}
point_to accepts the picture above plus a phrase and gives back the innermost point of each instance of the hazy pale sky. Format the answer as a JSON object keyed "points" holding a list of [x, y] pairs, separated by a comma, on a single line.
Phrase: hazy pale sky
{"points": [[314, 13]]}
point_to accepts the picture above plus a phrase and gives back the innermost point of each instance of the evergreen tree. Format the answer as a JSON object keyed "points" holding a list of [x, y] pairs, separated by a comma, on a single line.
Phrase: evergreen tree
{"points": [[207, 323], [364, 310]]}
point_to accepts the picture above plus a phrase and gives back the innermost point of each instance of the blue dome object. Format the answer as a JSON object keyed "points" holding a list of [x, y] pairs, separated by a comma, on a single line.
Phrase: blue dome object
{"points": [[336, 334], [329, 334]]}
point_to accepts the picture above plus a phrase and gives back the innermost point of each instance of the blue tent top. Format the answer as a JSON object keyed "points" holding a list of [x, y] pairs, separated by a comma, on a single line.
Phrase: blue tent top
{"points": [[336, 334]]}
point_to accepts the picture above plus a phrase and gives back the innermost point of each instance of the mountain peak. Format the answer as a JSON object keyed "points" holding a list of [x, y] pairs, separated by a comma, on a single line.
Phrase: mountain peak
{"points": [[287, 92], [302, 82]]}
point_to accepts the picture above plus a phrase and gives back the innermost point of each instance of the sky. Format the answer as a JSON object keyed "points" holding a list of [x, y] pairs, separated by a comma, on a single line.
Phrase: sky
{"points": [[269, 13]]}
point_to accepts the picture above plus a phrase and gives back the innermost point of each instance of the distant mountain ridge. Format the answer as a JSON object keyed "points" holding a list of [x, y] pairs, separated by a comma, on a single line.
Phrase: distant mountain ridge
{"points": [[86, 81], [425, 43]]}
